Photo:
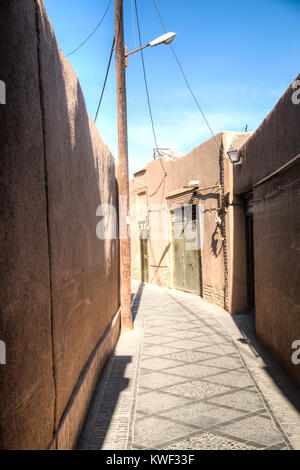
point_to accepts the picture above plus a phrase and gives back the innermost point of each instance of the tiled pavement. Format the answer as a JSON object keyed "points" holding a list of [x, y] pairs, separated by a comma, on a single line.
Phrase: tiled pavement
{"points": [[187, 379]]}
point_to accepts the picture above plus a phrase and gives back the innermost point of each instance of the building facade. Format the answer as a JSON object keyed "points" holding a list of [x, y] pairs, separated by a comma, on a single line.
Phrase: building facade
{"points": [[180, 221], [247, 218], [267, 183]]}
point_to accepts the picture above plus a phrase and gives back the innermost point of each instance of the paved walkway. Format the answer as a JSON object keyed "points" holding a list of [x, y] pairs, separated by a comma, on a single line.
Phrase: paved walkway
{"points": [[189, 378]]}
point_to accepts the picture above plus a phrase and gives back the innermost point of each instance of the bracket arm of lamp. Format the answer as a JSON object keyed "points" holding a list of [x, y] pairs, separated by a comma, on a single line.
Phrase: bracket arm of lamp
{"points": [[164, 39]]}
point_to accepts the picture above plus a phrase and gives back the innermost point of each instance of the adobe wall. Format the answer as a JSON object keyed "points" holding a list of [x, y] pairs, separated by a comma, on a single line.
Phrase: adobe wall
{"points": [[276, 227], [27, 391], [235, 231], [60, 294], [273, 144]]}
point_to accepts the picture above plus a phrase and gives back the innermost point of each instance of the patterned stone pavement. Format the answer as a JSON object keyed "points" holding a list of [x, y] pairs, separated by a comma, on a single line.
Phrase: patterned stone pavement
{"points": [[182, 381]]}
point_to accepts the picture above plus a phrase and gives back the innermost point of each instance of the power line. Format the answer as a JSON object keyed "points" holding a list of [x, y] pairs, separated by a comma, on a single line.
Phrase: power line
{"points": [[108, 68], [146, 85], [184, 75], [93, 32], [132, 24], [106, 76], [145, 76]]}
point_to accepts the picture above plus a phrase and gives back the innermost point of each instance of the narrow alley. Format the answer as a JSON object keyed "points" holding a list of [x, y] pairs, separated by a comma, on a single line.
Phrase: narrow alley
{"points": [[190, 377], [150, 227]]}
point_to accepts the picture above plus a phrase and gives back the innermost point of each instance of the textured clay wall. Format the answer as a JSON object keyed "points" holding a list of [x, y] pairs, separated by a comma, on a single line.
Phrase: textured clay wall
{"points": [[27, 391], [276, 228], [272, 145], [55, 301], [235, 231]]}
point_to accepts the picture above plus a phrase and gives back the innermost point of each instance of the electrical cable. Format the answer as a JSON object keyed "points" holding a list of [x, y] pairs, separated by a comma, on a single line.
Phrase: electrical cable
{"points": [[108, 66], [105, 81], [132, 24], [147, 88], [185, 77], [93, 32], [277, 190], [145, 76]]}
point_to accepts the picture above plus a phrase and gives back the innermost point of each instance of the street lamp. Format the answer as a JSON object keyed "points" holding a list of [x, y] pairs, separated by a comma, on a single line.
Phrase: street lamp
{"points": [[234, 156], [164, 39]]}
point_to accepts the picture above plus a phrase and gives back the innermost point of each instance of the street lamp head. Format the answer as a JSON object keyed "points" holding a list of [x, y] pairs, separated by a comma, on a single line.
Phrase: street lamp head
{"points": [[164, 39]]}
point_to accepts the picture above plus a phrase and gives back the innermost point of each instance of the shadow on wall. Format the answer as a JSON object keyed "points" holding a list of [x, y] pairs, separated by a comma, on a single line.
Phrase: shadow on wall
{"points": [[239, 289], [269, 175], [216, 243], [155, 275]]}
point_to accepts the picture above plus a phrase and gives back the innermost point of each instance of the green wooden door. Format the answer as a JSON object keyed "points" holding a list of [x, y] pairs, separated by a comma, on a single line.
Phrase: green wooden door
{"points": [[191, 260], [187, 256], [144, 254], [178, 255]]}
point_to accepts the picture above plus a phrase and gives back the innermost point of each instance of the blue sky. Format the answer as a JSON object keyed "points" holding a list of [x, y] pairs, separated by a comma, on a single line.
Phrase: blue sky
{"points": [[239, 57]]}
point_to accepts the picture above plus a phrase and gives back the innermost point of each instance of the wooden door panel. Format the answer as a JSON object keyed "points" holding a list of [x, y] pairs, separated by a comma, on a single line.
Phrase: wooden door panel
{"points": [[178, 255]]}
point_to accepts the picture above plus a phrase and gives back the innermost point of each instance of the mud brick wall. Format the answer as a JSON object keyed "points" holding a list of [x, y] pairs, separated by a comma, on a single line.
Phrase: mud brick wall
{"points": [[59, 282]]}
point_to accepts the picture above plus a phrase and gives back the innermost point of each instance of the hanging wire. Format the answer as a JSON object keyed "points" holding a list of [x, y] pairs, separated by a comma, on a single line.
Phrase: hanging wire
{"points": [[106, 76], [145, 75], [146, 86], [132, 24], [184, 75], [93, 32], [109, 64]]}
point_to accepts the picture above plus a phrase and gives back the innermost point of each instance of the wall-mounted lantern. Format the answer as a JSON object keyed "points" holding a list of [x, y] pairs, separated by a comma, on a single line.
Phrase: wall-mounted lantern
{"points": [[234, 156]]}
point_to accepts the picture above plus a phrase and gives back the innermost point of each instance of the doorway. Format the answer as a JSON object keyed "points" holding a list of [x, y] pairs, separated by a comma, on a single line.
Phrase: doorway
{"points": [[144, 253], [187, 255], [250, 256]]}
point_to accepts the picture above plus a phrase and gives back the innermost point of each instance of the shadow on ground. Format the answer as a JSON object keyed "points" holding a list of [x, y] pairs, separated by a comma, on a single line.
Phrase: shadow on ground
{"points": [[136, 300], [246, 324], [104, 403]]}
